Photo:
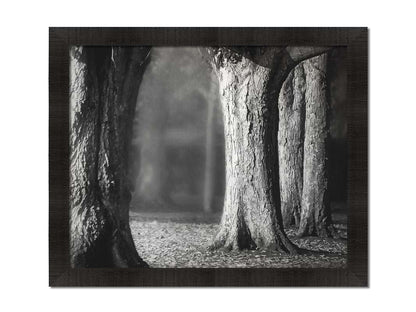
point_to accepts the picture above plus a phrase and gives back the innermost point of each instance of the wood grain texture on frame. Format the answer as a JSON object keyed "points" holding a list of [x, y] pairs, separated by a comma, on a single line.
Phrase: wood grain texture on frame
{"points": [[356, 41]]}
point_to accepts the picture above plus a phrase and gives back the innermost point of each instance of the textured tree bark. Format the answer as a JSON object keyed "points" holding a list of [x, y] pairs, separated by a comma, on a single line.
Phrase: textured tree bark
{"points": [[104, 84], [315, 214], [290, 138], [251, 216], [250, 79]]}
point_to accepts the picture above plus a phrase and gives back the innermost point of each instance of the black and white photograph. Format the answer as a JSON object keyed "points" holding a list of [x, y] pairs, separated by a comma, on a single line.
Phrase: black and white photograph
{"points": [[208, 157]]}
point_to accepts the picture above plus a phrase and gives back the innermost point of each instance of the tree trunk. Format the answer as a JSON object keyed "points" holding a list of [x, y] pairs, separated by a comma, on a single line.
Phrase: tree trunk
{"points": [[251, 216], [290, 137], [315, 215], [104, 84], [250, 80]]}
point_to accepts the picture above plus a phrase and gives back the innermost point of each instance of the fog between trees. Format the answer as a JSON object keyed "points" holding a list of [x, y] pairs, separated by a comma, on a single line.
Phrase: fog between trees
{"points": [[173, 128], [178, 144]]}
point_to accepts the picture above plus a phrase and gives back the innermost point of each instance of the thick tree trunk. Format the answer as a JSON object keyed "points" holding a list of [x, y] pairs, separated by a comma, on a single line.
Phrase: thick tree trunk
{"points": [[250, 80], [251, 216], [104, 84], [315, 215], [290, 138]]}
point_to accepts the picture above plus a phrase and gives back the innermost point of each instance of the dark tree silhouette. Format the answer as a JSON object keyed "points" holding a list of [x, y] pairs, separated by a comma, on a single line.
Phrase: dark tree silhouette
{"points": [[104, 85]]}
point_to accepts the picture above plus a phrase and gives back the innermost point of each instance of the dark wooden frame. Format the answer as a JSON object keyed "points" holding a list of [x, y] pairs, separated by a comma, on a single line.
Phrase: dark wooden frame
{"points": [[356, 41]]}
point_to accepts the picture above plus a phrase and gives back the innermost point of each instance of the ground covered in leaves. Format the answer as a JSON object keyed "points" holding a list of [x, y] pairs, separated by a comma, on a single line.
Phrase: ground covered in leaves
{"points": [[181, 240]]}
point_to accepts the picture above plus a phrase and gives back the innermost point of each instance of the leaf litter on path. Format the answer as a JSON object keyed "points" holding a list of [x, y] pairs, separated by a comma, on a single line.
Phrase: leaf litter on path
{"points": [[178, 244]]}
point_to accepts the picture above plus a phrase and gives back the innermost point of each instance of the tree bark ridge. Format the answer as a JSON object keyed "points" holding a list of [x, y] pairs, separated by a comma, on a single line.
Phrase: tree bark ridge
{"points": [[290, 138], [104, 84], [251, 216], [315, 215]]}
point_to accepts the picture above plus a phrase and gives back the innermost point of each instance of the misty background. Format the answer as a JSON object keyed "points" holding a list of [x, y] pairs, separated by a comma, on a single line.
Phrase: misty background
{"points": [[177, 154]]}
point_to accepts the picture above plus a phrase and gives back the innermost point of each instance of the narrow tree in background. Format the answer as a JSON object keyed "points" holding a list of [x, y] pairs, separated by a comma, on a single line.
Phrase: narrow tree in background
{"points": [[210, 148], [290, 138], [172, 107], [315, 215], [249, 81], [151, 181], [104, 85]]}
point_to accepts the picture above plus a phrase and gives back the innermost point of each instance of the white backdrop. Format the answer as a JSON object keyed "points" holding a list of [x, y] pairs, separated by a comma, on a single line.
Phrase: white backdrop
{"points": [[24, 152]]}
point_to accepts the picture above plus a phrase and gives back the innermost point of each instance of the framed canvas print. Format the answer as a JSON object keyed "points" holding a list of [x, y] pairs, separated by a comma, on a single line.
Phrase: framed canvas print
{"points": [[208, 157]]}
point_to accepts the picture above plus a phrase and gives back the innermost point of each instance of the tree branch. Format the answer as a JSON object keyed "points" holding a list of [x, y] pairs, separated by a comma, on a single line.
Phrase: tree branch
{"points": [[261, 55], [299, 54]]}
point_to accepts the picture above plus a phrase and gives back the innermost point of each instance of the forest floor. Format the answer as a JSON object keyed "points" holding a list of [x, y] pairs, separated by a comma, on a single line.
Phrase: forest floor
{"points": [[181, 240]]}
